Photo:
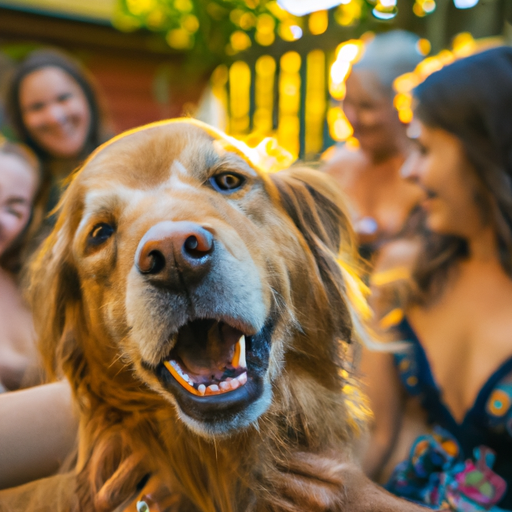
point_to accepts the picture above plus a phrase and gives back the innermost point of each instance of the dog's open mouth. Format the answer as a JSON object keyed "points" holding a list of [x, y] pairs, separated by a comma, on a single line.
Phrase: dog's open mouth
{"points": [[209, 358], [216, 371]]}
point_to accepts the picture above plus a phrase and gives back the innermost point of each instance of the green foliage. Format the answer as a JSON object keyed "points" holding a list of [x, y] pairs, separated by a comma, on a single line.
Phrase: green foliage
{"points": [[216, 29]]}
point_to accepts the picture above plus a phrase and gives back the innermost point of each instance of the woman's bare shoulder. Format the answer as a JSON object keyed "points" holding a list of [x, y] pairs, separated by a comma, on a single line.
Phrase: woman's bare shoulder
{"points": [[343, 164]]}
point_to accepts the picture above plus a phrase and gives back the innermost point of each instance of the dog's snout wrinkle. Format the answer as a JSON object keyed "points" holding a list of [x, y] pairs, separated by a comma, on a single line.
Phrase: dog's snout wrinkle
{"points": [[171, 247]]}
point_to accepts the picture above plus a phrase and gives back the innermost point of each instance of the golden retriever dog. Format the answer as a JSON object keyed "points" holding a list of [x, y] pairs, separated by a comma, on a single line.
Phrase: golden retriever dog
{"points": [[197, 307]]}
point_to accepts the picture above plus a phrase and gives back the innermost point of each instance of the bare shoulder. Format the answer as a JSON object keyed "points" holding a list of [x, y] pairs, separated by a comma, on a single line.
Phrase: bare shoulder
{"points": [[344, 165]]}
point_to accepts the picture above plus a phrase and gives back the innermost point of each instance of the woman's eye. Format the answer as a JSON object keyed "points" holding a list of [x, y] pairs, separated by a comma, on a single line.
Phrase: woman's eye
{"points": [[15, 213], [227, 182], [100, 234]]}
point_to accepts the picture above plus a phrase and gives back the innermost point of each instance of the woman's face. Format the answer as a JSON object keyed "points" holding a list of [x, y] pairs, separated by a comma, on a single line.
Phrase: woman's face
{"points": [[453, 195], [370, 111], [55, 111], [18, 185]]}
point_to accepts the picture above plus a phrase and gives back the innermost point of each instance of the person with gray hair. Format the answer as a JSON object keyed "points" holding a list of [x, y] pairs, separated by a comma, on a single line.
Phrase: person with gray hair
{"points": [[380, 200]]}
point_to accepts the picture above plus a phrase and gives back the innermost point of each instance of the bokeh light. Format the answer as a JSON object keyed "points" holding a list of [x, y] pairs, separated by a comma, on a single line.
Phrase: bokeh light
{"points": [[318, 22], [347, 54], [465, 4]]}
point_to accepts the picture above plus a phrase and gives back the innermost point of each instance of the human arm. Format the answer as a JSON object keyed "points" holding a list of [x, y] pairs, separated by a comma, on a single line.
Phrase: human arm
{"points": [[387, 403], [37, 432]]}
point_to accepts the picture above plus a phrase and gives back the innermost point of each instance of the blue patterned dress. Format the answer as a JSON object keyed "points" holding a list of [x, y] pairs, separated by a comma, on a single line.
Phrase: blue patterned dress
{"points": [[467, 465]]}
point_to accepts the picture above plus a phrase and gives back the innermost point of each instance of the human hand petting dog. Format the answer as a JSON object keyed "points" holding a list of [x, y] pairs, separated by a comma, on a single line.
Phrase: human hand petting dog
{"points": [[307, 482]]}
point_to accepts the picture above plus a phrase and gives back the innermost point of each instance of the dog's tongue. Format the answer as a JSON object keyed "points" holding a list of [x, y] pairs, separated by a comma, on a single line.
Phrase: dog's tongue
{"points": [[207, 347]]}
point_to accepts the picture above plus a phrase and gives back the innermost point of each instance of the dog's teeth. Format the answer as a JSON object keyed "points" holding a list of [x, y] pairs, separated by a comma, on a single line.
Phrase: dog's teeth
{"points": [[201, 388], [213, 389], [225, 386], [243, 362], [235, 383], [239, 360], [242, 378]]}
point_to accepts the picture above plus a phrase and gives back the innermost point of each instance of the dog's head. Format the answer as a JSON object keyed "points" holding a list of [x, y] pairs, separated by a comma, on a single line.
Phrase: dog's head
{"points": [[175, 263]]}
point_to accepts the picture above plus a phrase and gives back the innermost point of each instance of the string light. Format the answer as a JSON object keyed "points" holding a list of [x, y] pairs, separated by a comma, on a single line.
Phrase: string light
{"points": [[239, 100], [288, 128], [264, 95], [346, 55], [318, 22], [385, 9], [465, 4], [315, 104]]}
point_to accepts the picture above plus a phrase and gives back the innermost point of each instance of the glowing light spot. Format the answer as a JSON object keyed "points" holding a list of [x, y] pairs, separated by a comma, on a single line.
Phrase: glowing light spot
{"points": [[465, 4], [266, 65], [348, 13], [463, 45], [247, 21], [349, 51], [265, 26], [264, 39], [302, 7], [240, 41], [429, 6], [235, 16], [139, 7], [352, 144], [183, 5], [289, 31], [340, 70], [239, 98], [155, 19], [291, 62], [424, 46], [180, 39], [318, 22], [405, 115], [383, 13], [418, 10], [388, 3], [339, 127], [190, 23]]}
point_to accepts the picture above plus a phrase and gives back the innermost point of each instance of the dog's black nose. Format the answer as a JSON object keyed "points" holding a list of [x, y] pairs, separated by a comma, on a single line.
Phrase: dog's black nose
{"points": [[169, 247]]}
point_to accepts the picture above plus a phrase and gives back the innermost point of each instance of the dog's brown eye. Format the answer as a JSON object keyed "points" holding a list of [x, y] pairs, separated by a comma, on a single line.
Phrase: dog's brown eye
{"points": [[100, 233], [227, 182]]}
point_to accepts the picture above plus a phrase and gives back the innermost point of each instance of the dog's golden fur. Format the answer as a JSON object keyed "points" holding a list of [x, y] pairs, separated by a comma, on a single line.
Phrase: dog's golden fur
{"points": [[285, 230]]}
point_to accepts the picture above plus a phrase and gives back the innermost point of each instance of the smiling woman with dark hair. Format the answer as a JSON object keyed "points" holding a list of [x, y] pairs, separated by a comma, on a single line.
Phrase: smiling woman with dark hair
{"points": [[55, 109], [458, 325]]}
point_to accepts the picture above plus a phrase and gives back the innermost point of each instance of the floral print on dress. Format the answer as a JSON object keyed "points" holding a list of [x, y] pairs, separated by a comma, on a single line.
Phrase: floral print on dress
{"points": [[437, 476]]}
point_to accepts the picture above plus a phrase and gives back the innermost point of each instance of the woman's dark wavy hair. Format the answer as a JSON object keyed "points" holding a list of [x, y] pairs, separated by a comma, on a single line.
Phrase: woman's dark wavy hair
{"points": [[472, 99], [53, 58]]}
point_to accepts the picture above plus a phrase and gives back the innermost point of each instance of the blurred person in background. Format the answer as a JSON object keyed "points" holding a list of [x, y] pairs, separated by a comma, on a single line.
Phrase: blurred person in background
{"points": [[457, 359], [21, 211], [380, 200], [54, 108]]}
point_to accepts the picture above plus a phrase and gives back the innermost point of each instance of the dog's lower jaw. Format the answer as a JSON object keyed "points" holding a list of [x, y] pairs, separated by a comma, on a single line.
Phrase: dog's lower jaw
{"points": [[224, 428]]}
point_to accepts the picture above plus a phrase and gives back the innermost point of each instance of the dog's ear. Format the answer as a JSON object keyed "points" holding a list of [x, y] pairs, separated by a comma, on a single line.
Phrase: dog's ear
{"points": [[316, 206], [55, 297]]}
